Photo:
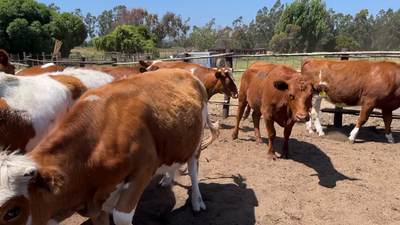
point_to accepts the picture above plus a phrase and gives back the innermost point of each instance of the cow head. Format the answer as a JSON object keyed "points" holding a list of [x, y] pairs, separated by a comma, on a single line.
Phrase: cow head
{"points": [[227, 84], [299, 91], [5, 65], [22, 186], [145, 64]]}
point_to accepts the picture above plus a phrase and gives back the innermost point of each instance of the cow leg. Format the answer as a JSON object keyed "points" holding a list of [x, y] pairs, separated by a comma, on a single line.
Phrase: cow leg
{"points": [[285, 148], [197, 200], [315, 110], [366, 110], [130, 195], [271, 137], [256, 123], [102, 219], [387, 119], [239, 114]]}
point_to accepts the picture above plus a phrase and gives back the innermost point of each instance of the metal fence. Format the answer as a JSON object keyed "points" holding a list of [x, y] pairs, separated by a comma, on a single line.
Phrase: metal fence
{"points": [[239, 63]]}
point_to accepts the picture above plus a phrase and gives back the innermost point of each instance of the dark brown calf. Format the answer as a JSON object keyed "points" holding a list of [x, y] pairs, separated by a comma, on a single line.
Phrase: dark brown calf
{"points": [[5, 65], [356, 83], [280, 94]]}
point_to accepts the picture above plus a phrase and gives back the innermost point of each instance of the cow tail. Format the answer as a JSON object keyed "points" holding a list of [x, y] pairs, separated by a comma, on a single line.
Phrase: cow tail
{"points": [[214, 128]]}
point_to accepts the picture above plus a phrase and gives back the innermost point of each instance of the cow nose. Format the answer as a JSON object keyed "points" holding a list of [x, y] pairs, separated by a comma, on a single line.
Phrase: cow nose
{"points": [[302, 117], [235, 96]]}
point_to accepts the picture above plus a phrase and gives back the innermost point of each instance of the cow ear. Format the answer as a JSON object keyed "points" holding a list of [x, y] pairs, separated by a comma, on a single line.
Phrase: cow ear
{"points": [[153, 68], [218, 74], [3, 58], [142, 63], [49, 181], [142, 70], [320, 88], [281, 85]]}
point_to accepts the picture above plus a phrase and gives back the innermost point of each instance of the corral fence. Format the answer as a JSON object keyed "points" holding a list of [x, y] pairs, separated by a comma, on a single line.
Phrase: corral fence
{"points": [[238, 64]]}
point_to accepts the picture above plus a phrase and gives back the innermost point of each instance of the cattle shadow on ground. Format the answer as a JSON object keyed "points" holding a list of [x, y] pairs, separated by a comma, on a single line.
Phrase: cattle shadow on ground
{"points": [[311, 156], [242, 128], [366, 134], [231, 203]]}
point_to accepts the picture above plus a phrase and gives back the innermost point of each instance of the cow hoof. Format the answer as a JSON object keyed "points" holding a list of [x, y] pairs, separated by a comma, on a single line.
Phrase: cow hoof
{"points": [[272, 157], [234, 136], [321, 133], [198, 205], [284, 156], [310, 131], [351, 141], [259, 140]]}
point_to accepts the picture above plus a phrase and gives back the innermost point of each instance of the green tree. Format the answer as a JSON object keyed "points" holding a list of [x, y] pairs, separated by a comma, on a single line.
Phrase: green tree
{"points": [[310, 16], [26, 25], [346, 42], [54, 8], [70, 29], [287, 42], [104, 21], [204, 37], [241, 34], [387, 30], [265, 24], [127, 38]]}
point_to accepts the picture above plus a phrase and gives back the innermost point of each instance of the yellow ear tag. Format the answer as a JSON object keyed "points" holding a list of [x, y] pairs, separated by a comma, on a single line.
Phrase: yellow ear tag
{"points": [[322, 94]]}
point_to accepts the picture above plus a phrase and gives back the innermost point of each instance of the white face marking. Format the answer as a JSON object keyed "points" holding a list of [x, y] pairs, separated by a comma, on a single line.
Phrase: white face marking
{"points": [[48, 65], [92, 98], [29, 222], [13, 183], [121, 218]]}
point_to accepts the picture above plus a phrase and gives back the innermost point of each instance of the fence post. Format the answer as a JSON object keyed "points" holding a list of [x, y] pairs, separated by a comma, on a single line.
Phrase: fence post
{"points": [[227, 98], [29, 61], [82, 59], [338, 117], [44, 58], [115, 60]]}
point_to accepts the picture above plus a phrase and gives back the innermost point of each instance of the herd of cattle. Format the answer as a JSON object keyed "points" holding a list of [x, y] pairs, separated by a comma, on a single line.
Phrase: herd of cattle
{"points": [[89, 140]]}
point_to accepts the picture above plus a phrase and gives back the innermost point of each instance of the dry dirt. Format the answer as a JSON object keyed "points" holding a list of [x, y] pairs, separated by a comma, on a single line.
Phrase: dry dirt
{"points": [[326, 180]]}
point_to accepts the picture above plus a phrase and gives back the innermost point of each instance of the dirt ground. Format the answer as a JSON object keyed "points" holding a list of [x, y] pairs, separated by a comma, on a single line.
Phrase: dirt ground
{"points": [[326, 180]]}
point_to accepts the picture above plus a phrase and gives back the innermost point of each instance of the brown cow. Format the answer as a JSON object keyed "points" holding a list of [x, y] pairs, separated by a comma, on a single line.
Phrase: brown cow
{"points": [[356, 83], [38, 70], [104, 153], [215, 80], [280, 94], [120, 72], [5, 65]]}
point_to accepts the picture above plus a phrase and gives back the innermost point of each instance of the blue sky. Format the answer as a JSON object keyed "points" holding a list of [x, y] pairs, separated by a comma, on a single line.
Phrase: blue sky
{"points": [[225, 12]]}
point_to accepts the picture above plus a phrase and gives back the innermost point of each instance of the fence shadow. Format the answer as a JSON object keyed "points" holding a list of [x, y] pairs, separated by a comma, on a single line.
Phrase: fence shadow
{"points": [[231, 203], [311, 156], [366, 134]]}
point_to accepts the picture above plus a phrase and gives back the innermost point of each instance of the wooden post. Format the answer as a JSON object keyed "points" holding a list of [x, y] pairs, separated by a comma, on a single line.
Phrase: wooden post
{"points": [[338, 117], [115, 60], [227, 98], [82, 59], [44, 58], [28, 61]]}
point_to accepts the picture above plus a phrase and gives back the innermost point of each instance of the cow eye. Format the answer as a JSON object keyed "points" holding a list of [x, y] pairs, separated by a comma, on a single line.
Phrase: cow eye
{"points": [[291, 96], [12, 213]]}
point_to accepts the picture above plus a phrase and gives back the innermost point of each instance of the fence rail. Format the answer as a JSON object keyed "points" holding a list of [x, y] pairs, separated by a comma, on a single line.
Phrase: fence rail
{"points": [[229, 56]]}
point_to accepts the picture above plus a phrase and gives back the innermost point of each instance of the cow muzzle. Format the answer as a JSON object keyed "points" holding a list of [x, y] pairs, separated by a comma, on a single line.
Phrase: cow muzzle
{"points": [[302, 118], [234, 96]]}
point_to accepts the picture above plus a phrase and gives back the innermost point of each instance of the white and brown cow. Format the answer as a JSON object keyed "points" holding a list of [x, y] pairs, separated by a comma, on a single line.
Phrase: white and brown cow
{"points": [[104, 153], [31, 106], [356, 83]]}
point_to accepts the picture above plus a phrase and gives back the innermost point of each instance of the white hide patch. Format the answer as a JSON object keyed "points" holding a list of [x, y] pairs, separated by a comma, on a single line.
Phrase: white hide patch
{"points": [[53, 97], [92, 98], [48, 65], [111, 202], [353, 133], [390, 138], [121, 218], [13, 183], [320, 79], [192, 71]]}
